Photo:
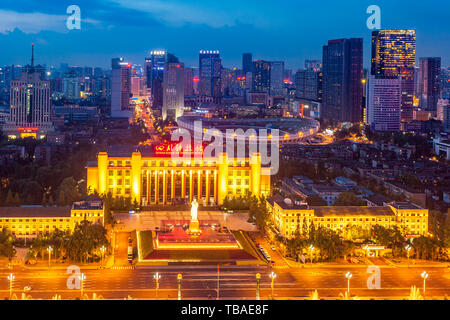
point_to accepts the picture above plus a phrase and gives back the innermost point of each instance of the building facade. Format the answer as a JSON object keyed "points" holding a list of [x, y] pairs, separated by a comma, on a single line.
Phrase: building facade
{"points": [[394, 55], [30, 104], [342, 80], [277, 78], [261, 76], [384, 103], [429, 89], [121, 89], [33, 221], [210, 72], [291, 220], [173, 99], [150, 176]]}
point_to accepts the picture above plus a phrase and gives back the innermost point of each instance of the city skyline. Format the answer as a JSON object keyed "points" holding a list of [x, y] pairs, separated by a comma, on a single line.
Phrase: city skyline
{"points": [[107, 31]]}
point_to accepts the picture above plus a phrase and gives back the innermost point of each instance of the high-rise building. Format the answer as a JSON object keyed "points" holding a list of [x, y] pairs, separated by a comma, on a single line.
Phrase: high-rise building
{"points": [[154, 75], [313, 64], [210, 73], [446, 118], [393, 55], [121, 89], [247, 63], [429, 89], [342, 80], [188, 82], [261, 76], [277, 78], [173, 97], [384, 103], [308, 82], [30, 108], [71, 87]]}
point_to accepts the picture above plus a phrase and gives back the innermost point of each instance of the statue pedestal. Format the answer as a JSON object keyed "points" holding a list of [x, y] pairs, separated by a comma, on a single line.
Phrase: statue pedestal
{"points": [[194, 228]]}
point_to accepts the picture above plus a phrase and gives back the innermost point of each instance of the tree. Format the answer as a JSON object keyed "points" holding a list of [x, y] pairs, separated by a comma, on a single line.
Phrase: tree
{"points": [[6, 244], [349, 199], [61, 199], [69, 188], [44, 200], [16, 200], [86, 239], [51, 202], [9, 199]]}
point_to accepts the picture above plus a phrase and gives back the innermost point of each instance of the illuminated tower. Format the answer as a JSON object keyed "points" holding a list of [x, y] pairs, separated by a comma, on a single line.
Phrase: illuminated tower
{"points": [[173, 98], [393, 55], [154, 74], [30, 107]]}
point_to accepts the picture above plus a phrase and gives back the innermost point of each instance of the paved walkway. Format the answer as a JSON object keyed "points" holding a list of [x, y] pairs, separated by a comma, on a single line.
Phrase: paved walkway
{"points": [[149, 220]]}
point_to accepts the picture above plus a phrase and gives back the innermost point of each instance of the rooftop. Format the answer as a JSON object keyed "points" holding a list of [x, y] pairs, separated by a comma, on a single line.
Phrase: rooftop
{"points": [[405, 205], [34, 212], [352, 211]]}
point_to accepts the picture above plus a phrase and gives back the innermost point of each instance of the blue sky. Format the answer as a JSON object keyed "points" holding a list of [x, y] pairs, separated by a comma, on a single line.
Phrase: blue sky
{"points": [[289, 30]]}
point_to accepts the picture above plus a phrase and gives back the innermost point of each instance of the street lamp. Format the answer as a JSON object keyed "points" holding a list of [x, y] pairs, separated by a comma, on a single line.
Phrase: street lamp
{"points": [[408, 249], [258, 276], [425, 276], [272, 276], [157, 276], [179, 277], [49, 250], [82, 278], [348, 275], [11, 279], [311, 249], [103, 249]]}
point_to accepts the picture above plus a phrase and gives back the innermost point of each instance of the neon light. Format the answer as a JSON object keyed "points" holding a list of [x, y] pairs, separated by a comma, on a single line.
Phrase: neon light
{"points": [[166, 149], [28, 129]]}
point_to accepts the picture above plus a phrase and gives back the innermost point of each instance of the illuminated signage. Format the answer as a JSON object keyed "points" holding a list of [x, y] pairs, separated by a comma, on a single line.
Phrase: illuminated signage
{"points": [[23, 129], [166, 149]]}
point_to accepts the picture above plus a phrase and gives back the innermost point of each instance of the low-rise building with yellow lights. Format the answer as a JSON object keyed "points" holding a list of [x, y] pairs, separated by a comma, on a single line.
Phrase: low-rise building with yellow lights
{"points": [[149, 175], [33, 221], [291, 219]]}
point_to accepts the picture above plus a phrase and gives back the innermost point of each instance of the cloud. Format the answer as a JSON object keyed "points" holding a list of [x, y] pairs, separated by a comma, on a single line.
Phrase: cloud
{"points": [[178, 14], [34, 22]]}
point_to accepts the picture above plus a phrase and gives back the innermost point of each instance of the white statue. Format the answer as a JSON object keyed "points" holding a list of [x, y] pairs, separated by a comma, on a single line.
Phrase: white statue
{"points": [[194, 210]]}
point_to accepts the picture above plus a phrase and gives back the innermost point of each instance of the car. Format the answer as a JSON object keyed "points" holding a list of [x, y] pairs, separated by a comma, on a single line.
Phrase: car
{"points": [[273, 248], [130, 240], [27, 289]]}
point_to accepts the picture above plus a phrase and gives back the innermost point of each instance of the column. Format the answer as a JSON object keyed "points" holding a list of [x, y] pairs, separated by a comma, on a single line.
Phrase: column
{"points": [[183, 184], [191, 186], [164, 187], [102, 172], [207, 187], [136, 176], [156, 187], [255, 174], [222, 178], [215, 188], [199, 186], [172, 186], [149, 187]]}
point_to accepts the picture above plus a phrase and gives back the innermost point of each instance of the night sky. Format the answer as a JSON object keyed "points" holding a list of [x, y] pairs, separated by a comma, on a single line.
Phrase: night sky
{"points": [[289, 30]]}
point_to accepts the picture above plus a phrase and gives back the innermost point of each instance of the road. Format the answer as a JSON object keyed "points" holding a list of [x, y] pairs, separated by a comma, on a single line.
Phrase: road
{"points": [[200, 282]]}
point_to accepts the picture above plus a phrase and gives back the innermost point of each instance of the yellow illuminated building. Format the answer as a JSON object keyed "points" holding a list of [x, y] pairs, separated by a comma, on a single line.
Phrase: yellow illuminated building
{"points": [[152, 177], [290, 219], [32, 221]]}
